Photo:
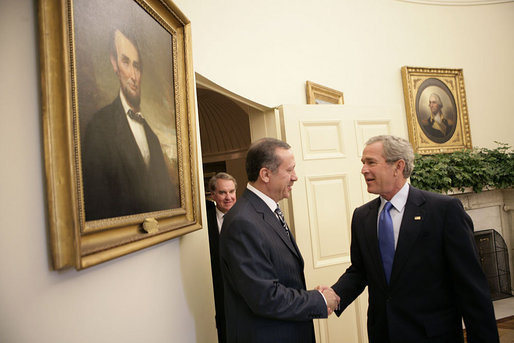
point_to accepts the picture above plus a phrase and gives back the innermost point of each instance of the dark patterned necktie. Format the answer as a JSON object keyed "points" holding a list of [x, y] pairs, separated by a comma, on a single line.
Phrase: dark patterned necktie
{"points": [[386, 239], [282, 219], [136, 116]]}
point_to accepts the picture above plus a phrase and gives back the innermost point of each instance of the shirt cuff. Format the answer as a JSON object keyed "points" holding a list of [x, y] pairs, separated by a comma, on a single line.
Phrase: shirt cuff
{"points": [[323, 297]]}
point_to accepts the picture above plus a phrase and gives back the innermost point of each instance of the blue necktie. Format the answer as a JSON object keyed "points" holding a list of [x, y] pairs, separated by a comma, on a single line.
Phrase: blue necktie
{"points": [[386, 239]]}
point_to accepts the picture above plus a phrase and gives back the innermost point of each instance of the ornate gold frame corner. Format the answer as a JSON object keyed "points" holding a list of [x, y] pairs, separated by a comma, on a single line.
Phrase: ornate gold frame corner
{"points": [[318, 94]]}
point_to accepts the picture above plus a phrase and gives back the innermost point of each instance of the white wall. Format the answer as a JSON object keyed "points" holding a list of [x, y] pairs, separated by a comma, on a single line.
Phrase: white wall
{"points": [[264, 51], [160, 294]]}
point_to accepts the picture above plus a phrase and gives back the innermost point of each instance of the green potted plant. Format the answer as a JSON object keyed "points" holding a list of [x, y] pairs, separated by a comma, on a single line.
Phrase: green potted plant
{"points": [[477, 168]]}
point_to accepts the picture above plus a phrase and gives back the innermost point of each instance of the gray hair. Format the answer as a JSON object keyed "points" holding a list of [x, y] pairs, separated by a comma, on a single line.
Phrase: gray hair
{"points": [[220, 176], [395, 149], [437, 98]]}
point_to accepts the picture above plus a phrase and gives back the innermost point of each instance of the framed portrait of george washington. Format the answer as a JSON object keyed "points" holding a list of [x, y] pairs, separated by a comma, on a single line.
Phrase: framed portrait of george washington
{"points": [[437, 114], [118, 127]]}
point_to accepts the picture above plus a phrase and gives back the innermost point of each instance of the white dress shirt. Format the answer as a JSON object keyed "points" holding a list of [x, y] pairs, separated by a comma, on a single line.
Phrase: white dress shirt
{"points": [[138, 130], [219, 217]]}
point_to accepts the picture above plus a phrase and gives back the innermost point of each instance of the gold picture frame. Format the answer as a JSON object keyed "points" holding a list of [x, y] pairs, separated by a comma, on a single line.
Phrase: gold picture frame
{"points": [[437, 113], [318, 94], [101, 204]]}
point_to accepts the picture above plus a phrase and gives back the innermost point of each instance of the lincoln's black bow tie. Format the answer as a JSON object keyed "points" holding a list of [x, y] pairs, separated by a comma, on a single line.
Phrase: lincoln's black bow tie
{"points": [[136, 116]]}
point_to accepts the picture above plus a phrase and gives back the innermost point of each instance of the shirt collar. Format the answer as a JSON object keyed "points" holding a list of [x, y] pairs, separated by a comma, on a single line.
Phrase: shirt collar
{"points": [[219, 214], [399, 199], [124, 103], [270, 202]]}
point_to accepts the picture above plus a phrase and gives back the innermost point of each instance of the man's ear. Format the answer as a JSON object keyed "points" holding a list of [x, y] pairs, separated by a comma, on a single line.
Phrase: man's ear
{"points": [[114, 63], [400, 166], [264, 174]]}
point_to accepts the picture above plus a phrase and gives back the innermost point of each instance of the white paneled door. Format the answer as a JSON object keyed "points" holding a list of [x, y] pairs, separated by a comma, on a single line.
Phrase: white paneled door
{"points": [[327, 141]]}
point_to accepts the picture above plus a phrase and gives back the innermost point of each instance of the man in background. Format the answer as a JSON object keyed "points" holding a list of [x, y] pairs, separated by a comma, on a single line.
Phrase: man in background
{"points": [[123, 166], [265, 294], [415, 251], [223, 193]]}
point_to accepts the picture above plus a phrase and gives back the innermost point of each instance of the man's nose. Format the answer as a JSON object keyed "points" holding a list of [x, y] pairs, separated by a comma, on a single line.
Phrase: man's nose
{"points": [[132, 72]]}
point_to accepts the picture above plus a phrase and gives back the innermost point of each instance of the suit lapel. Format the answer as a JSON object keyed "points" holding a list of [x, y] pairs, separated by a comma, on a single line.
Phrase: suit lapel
{"points": [[370, 227], [131, 153], [272, 221], [293, 242], [412, 224]]}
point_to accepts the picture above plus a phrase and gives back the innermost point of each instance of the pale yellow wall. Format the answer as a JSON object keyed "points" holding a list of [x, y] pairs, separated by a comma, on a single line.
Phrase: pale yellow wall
{"points": [[161, 294], [266, 50], [263, 51]]}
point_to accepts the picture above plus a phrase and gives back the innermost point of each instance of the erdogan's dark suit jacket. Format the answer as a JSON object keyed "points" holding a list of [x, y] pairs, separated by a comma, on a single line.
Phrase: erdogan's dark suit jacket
{"points": [[436, 278], [265, 296], [117, 181], [217, 279]]}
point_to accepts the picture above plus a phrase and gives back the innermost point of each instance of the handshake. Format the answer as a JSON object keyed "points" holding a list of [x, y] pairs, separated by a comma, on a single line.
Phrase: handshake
{"points": [[331, 297]]}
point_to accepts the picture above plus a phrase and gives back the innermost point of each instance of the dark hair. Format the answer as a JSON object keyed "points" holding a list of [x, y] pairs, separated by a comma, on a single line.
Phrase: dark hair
{"points": [[261, 154], [220, 176], [132, 39], [395, 149]]}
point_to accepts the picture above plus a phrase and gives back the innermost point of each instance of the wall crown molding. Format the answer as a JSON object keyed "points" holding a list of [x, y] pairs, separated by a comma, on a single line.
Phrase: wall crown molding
{"points": [[457, 2]]}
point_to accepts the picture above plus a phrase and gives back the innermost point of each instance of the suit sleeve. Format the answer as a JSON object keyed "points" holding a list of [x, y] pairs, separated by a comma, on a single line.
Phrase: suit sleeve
{"points": [[468, 277], [251, 272], [351, 284]]}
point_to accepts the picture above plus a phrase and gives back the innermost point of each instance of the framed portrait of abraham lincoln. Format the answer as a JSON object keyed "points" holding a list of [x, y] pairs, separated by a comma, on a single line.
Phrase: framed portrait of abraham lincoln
{"points": [[118, 127], [437, 114]]}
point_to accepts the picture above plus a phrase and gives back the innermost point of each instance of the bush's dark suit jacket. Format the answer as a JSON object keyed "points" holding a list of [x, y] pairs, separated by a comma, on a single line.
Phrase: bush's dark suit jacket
{"points": [[265, 296], [217, 279], [436, 276], [116, 179]]}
